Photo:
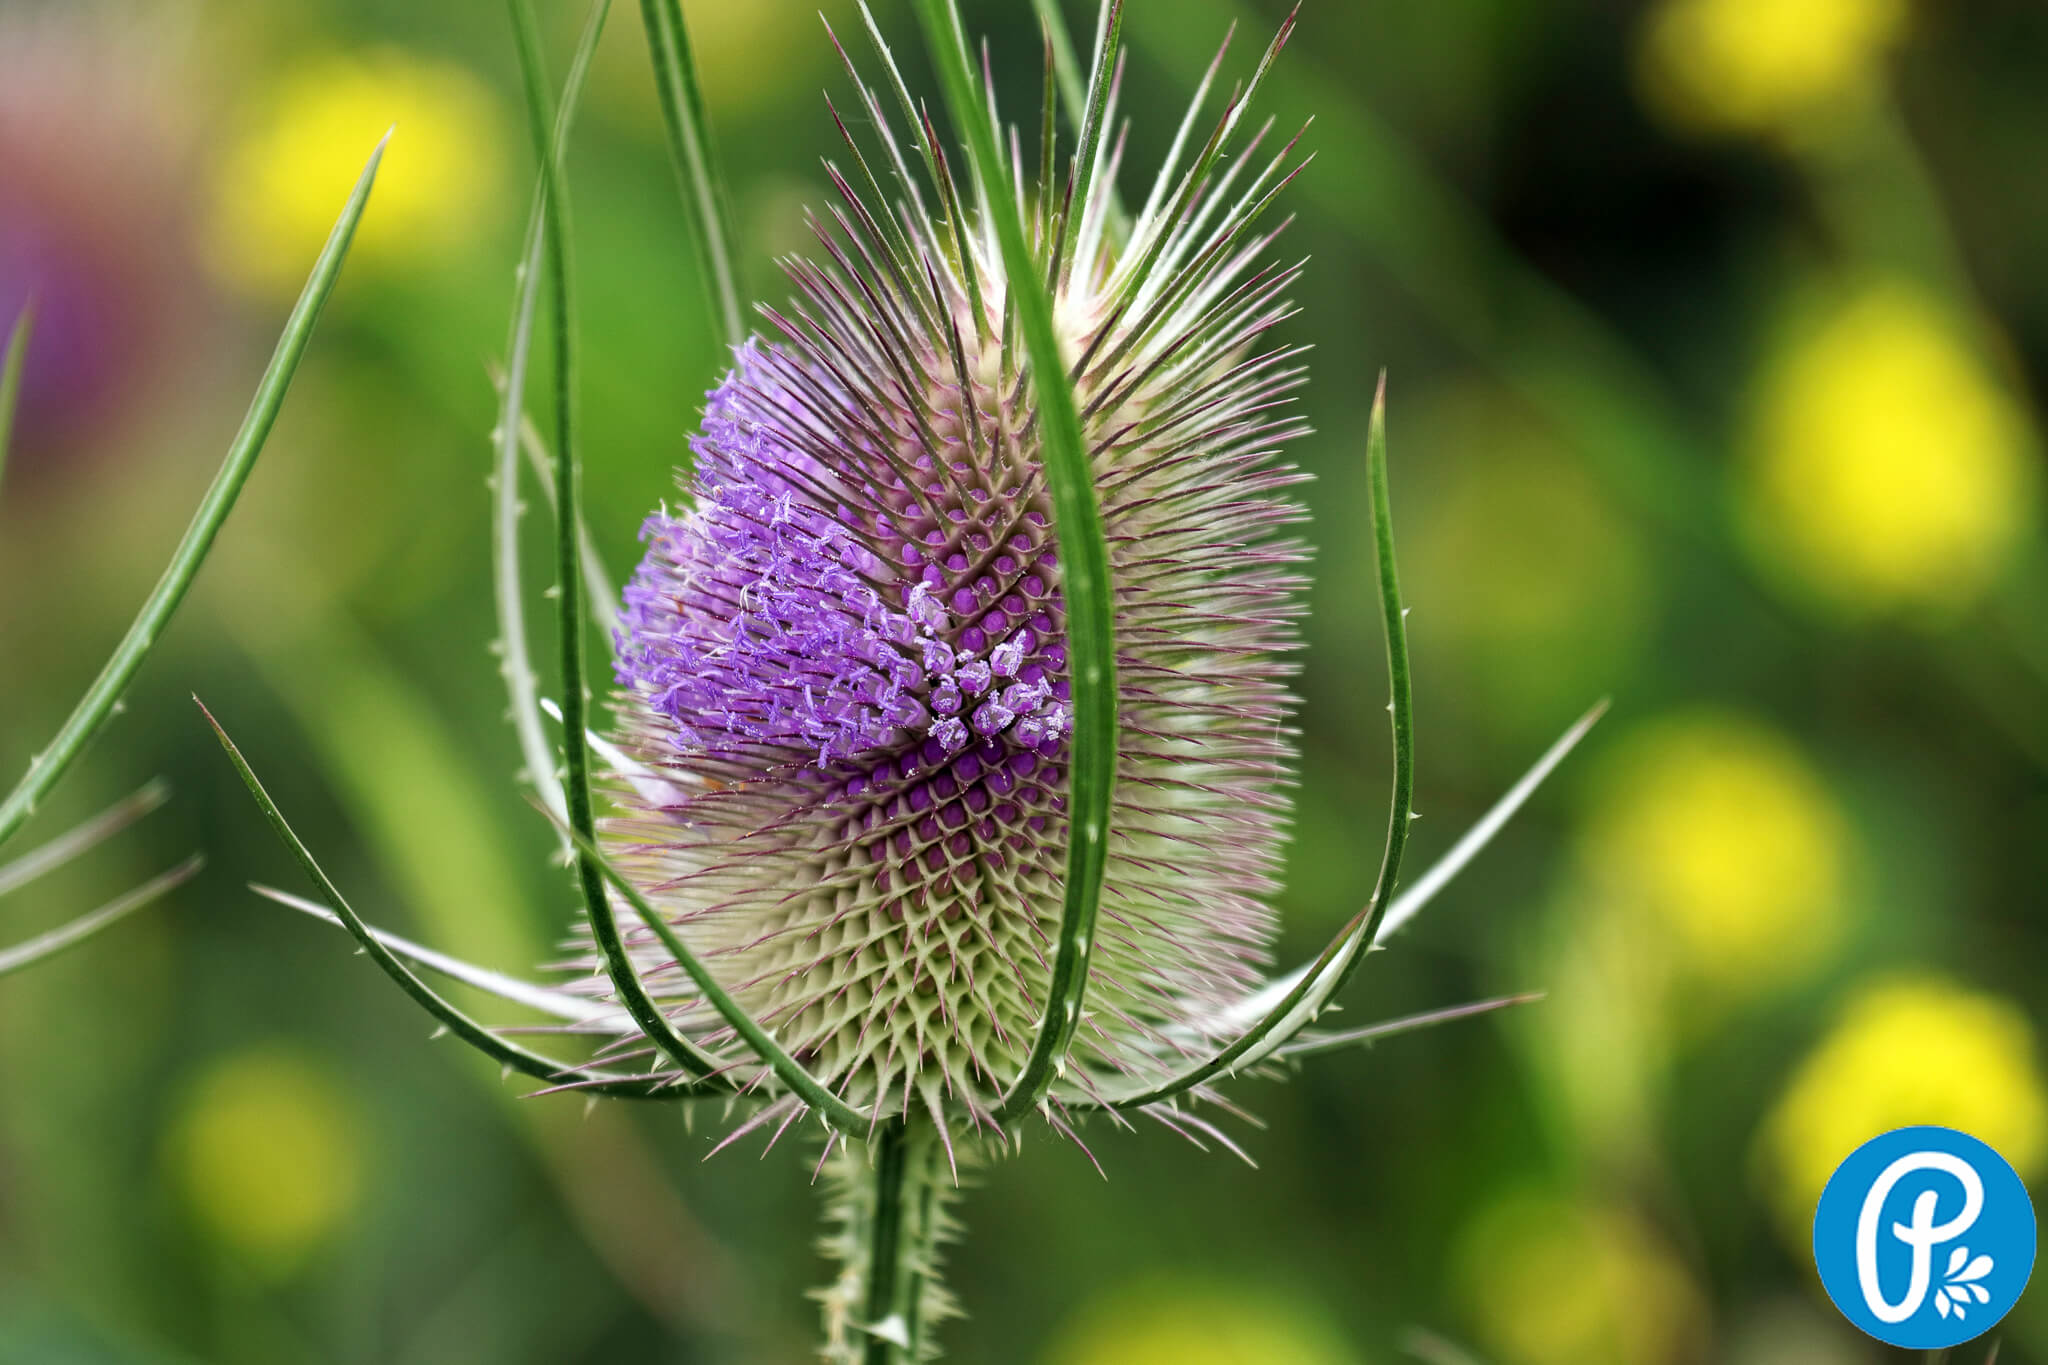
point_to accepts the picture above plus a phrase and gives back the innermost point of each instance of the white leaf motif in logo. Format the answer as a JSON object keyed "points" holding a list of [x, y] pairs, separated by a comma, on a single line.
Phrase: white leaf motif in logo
{"points": [[1922, 1235]]}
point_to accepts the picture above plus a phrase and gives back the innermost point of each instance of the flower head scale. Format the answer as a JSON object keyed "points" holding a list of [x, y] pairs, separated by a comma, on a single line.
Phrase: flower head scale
{"points": [[846, 694]]}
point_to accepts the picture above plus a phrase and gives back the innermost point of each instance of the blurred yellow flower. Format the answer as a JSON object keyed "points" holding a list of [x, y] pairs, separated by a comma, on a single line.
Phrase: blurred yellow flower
{"points": [[280, 183], [1886, 468], [1749, 66], [1724, 833], [1556, 1282], [1192, 1323], [1905, 1050], [266, 1152]]}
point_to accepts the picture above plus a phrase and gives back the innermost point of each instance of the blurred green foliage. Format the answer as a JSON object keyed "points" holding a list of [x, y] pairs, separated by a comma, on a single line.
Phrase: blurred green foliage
{"points": [[1718, 333]]}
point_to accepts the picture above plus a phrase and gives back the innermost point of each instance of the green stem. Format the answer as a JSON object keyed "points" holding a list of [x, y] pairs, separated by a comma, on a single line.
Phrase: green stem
{"points": [[885, 1238], [889, 1201]]}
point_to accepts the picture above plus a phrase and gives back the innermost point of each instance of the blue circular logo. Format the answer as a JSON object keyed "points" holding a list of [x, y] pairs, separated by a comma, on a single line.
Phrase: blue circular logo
{"points": [[1924, 1238]]}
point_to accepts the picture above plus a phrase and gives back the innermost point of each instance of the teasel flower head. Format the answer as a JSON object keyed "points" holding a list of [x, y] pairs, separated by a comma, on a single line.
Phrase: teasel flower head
{"points": [[952, 743], [848, 726], [844, 662], [950, 764]]}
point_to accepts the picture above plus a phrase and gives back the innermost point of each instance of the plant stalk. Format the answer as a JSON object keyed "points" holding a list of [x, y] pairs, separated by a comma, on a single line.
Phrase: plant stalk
{"points": [[888, 1202], [885, 1239]]}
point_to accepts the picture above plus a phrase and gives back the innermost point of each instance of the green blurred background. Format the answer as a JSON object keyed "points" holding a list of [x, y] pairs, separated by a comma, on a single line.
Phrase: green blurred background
{"points": [[1718, 340]]}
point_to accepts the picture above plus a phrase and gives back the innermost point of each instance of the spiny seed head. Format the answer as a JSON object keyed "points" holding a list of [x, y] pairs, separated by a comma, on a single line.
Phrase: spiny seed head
{"points": [[844, 672]]}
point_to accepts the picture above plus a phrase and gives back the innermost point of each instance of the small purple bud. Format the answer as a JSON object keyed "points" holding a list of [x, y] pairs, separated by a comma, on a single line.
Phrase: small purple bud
{"points": [[973, 676], [925, 611], [905, 673], [1022, 698]]}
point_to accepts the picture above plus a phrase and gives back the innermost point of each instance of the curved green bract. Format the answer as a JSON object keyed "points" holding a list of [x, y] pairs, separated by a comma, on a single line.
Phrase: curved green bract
{"points": [[1316, 986], [1394, 621], [1084, 572], [96, 707], [454, 1020], [515, 658], [597, 578], [705, 202], [604, 925]]}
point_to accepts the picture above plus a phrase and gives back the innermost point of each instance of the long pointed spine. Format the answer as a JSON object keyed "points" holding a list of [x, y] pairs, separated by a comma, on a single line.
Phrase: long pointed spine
{"points": [[569, 589], [1066, 68], [20, 956], [1079, 192]]}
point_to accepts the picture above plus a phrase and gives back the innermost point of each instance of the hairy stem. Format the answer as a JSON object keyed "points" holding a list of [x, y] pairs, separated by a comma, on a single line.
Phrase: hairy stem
{"points": [[885, 1238], [888, 1207]]}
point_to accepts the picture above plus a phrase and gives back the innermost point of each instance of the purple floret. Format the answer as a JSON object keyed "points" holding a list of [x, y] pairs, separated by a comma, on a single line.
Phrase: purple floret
{"points": [[844, 612]]}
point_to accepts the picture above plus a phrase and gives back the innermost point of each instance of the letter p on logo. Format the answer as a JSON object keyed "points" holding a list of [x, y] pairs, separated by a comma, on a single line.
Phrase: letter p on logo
{"points": [[1924, 1238]]}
